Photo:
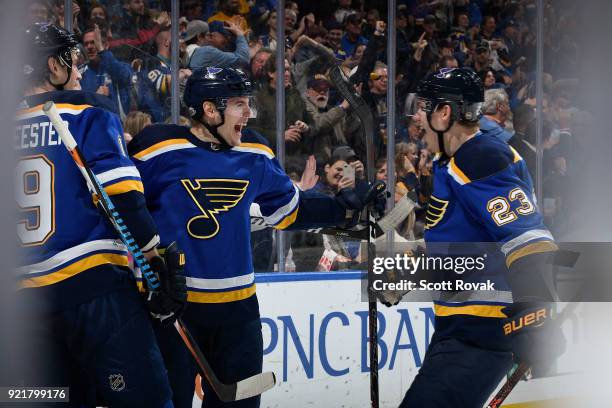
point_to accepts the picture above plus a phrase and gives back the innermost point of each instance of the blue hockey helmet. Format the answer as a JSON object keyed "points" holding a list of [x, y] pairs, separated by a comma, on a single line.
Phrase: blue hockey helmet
{"points": [[215, 85], [44, 41]]}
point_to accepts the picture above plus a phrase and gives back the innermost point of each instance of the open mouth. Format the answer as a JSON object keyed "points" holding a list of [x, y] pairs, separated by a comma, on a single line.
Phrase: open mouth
{"points": [[238, 127]]}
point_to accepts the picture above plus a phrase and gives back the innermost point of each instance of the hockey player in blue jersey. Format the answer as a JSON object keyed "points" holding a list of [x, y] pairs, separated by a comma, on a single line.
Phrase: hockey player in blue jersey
{"points": [[200, 183], [482, 193], [87, 326]]}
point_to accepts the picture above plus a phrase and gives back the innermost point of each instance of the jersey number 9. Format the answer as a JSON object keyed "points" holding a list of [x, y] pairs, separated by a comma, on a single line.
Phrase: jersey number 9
{"points": [[34, 192]]}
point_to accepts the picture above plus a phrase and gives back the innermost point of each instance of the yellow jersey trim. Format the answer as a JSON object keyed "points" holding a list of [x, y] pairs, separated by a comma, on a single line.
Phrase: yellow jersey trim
{"points": [[258, 146], [158, 146], [220, 297], [535, 248], [57, 105], [123, 187], [457, 171], [517, 156], [74, 269], [471, 310], [288, 220]]}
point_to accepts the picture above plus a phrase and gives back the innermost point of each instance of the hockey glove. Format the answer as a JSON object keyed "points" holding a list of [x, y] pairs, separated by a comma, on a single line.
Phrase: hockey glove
{"points": [[168, 302], [356, 200], [536, 338]]}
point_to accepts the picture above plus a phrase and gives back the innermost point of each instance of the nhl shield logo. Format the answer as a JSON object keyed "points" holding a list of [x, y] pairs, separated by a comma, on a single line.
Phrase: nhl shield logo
{"points": [[116, 382]]}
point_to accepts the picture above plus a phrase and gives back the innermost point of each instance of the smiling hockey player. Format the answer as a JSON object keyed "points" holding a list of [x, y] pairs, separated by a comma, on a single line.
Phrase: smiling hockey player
{"points": [[200, 183], [86, 326], [482, 193]]}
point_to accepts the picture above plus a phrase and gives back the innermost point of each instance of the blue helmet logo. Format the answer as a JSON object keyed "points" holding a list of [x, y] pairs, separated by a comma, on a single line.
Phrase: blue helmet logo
{"points": [[211, 72], [443, 72]]}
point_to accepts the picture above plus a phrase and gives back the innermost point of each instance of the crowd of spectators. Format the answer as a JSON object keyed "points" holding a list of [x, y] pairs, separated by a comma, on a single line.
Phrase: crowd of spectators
{"points": [[126, 55]]}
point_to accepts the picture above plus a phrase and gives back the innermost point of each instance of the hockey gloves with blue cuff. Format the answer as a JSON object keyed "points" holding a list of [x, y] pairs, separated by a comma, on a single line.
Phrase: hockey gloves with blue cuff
{"points": [[168, 302], [355, 200], [536, 338]]}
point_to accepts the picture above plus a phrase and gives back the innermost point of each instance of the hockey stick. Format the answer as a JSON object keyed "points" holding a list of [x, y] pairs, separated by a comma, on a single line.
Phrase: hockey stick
{"points": [[523, 368], [362, 110], [387, 223], [246, 388]]}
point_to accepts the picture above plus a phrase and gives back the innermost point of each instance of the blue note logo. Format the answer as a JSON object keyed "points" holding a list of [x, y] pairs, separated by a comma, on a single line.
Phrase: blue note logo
{"points": [[211, 197]]}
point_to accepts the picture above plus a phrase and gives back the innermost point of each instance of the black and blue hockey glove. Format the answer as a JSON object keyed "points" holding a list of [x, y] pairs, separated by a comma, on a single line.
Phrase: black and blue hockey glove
{"points": [[357, 199], [168, 302], [536, 338]]}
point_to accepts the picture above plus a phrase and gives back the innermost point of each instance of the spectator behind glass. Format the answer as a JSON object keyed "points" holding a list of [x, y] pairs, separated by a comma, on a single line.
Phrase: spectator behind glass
{"points": [[299, 125], [218, 40], [488, 79], [155, 79], [135, 28], [352, 36], [38, 12], [333, 40], [229, 11], [98, 11], [195, 36], [329, 120], [257, 63], [343, 10], [134, 123], [496, 109], [103, 73]]}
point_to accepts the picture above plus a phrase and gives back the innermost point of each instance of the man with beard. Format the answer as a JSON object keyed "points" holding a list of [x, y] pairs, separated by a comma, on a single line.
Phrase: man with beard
{"points": [[328, 120]]}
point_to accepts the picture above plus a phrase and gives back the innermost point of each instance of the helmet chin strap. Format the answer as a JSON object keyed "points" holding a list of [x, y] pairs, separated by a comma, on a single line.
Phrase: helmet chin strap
{"points": [[213, 130], [443, 156], [68, 67]]}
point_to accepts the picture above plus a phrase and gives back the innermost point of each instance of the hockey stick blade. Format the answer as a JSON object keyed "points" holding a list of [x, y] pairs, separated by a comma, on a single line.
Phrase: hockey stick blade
{"points": [[95, 187], [247, 388]]}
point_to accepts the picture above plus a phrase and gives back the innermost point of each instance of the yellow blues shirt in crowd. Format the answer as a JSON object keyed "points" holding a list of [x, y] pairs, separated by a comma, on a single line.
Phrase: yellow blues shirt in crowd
{"points": [[483, 200], [200, 196], [69, 252]]}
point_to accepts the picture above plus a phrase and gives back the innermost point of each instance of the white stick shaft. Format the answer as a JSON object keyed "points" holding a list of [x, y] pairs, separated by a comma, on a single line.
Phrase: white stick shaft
{"points": [[51, 111]]}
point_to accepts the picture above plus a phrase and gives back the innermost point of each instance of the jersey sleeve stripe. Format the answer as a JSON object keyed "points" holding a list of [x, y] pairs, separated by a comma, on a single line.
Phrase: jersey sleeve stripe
{"points": [[123, 187], [257, 148], [221, 297], [285, 210], [456, 173], [118, 173], [472, 310], [162, 147], [74, 269], [224, 283], [61, 107], [70, 254], [524, 238], [290, 219], [214, 297], [533, 248]]}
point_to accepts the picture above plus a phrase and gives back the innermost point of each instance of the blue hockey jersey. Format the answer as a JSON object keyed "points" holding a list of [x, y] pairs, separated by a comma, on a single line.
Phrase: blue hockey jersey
{"points": [[483, 196], [200, 196], [64, 240]]}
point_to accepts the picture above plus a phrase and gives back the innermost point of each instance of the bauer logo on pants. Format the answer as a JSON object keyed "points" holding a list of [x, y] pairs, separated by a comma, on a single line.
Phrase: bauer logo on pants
{"points": [[116, 382]]}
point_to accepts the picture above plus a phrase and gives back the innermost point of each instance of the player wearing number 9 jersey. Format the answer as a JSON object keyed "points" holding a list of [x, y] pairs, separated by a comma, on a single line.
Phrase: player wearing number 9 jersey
{"points": [[482, 198], [87, 326]]}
